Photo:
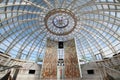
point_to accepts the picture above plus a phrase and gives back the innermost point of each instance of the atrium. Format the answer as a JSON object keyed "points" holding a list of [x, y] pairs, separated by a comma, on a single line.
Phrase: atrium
{"points": [[59, 39]]}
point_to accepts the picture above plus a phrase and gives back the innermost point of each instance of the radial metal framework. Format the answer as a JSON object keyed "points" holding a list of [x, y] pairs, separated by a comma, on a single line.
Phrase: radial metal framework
{"points": [[23, 27]]}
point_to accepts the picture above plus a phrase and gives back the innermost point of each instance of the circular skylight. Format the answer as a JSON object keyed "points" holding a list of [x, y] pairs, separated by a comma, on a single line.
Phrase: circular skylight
{"points": [[60, 23]]}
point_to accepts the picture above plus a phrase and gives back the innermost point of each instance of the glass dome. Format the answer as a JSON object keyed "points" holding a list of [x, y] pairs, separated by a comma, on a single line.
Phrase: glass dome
{"points": [[25, 25]]}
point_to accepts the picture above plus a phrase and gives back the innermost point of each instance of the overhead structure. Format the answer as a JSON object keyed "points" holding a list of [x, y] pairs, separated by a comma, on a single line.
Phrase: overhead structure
{"points": [[25, 26]]}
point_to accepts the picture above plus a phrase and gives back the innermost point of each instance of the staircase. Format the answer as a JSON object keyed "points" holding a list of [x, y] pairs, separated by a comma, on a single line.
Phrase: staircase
{"points": [[7, 75], [3, 68], [109, 73]]}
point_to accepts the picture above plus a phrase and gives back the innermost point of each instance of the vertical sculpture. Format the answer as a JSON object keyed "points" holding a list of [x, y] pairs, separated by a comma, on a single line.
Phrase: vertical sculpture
{"points": [[71, 61], [49, 68], [71, 67]]}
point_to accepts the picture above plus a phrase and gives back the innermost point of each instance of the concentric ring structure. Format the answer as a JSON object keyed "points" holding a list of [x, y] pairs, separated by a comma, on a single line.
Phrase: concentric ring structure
{"points": [[25, 25], [60, 18], [61, 24]]}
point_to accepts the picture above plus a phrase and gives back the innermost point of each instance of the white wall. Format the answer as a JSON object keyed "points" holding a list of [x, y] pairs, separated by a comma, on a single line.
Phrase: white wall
{"points": [[24, 72], [89, 66]]}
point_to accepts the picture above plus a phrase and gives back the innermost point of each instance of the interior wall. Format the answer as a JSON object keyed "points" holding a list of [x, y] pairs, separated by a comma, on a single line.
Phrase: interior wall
{"points": [[24, 74], [90, 66]]}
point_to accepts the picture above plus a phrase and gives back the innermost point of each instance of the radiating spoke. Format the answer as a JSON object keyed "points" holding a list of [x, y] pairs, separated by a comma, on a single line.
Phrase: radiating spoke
{"points": [[57, 3], [49, 4], [71, 4], [41, 7], [63, 5]]}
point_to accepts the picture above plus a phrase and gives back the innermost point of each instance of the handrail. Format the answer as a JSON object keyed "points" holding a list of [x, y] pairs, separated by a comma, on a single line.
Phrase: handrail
{"points": [[19, 60], [61, 79], [9, 67], [112, 69], [110, 73], [6, 76]]}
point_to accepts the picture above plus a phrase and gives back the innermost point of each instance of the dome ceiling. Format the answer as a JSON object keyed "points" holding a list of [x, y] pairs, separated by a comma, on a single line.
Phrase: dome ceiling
{"points": [[25, 25]]}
